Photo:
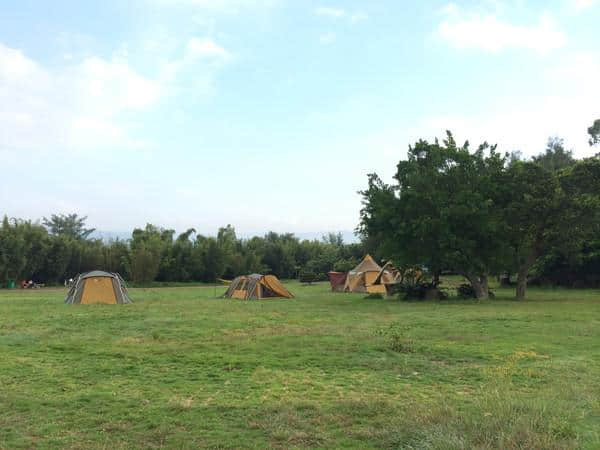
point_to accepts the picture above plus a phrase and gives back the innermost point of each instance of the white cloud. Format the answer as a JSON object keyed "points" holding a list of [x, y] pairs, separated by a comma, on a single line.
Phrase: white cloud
{"points": [[583, 4], [92, 102], [529, 124], [330, 12], [221, 6], [489, 33], [339, 13], [206, 48], [14, 66]]}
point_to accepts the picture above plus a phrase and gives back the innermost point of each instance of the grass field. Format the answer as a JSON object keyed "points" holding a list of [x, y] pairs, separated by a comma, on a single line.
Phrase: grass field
{"points": [[181, 369]]}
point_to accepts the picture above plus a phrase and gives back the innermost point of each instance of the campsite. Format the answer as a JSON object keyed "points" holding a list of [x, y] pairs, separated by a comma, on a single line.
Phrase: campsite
{"points": [[179, 368], [284, 224]]}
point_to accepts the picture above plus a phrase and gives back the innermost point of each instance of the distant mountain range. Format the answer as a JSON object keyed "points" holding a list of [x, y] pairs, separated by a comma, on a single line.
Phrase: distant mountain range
{"points": [[348, 236]]}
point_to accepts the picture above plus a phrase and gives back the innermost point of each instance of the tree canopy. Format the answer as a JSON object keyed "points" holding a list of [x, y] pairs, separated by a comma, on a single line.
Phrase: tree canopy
{"points": [[70, 225], [480, 213], [594, 132]]}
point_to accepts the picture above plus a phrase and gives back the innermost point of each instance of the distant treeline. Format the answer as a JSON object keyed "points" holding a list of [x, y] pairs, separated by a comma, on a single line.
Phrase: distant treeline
{"points": [[60, 247]]}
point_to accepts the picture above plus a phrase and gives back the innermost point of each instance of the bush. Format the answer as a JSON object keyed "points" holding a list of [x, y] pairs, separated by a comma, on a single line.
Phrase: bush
{"points": [[465, 290], [307, 276], [420, 290], [397, 338]]}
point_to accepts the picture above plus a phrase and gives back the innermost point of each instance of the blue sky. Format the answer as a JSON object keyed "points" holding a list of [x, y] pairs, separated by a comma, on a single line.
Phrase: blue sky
{"points": [[268, 114]]}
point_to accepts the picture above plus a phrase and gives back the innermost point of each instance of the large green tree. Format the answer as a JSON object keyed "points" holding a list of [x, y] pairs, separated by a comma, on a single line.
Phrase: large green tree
{"points": [[594, 132], [442, 212], [146, 249], [556, 157], [532, 208], [70, 225]]}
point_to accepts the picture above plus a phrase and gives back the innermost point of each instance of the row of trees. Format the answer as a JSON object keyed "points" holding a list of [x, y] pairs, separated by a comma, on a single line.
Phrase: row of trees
{"points": [[60, 247], [482, 213]]}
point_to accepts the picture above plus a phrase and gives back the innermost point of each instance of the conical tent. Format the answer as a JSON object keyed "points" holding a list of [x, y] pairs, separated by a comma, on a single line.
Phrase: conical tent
{"points": [[363, 276], [256, 286], [387, 277], [98, 287]]}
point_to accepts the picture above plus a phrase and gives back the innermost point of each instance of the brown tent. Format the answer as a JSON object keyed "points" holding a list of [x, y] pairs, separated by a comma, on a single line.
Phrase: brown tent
{"points": [[363, 276], [337, 280], [256, 286], [98, 287], [387, 277]]}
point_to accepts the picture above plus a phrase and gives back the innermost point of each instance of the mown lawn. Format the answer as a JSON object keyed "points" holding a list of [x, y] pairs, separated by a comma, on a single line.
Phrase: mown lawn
{"points": [[182, 369]]}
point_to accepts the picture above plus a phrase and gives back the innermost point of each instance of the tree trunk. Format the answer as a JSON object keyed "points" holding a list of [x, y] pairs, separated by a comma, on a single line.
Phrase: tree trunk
{"points": [[523, 272], [522, 281], [436, 278], [480, 285], [485, 286]]}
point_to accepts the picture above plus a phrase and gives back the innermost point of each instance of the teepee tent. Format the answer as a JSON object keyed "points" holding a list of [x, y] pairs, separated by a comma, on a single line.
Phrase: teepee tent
{"points": [[363, 276], [256, 286], [387, 277], [98, 287]]}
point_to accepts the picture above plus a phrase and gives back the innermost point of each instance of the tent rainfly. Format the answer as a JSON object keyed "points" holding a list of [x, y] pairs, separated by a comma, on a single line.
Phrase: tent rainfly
{"points": [[387, 277], [337, 280], [256, 286], [98, 287], [363, 276]]}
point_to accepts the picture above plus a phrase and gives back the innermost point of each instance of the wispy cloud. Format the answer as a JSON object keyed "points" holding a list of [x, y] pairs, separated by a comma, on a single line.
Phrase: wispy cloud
{"points": [[206, 48], [221, 6], [92, 102], [330, 12], [527, 125], [490, 33], [583, 4], [340, 13]]}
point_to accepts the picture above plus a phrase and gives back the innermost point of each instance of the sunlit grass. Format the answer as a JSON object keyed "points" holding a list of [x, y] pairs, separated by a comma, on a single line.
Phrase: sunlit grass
{"points": [[180, 368]]}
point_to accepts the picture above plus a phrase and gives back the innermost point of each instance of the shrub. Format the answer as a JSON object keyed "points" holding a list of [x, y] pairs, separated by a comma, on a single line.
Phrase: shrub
{"points": [[420, 290], [375, 296], [465, 290], [397, 338], [307, 276]]}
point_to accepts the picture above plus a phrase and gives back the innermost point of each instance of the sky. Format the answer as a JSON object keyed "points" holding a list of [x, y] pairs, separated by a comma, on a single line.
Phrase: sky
{"points": [[269, 114]]}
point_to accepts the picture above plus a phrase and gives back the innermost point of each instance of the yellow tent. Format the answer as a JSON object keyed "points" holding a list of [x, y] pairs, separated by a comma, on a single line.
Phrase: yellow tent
{"points": [[256, 286], [98, 287], [363, 277]]}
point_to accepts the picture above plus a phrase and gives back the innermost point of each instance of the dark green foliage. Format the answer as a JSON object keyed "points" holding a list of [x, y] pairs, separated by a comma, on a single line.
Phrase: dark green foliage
{"points": [[70, 225], [465, 290], [441, 213], [397, 338], [555, 157], [594, 132], [480, 214], [29, 251], [375, 296], [420, 289], [307, 276]]}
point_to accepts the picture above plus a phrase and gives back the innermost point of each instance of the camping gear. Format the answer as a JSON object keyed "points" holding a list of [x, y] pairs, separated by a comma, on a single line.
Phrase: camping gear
{"points": [[363, 276], [98, 287], [10, 284], [337, 281], [256, 286], [388, 277]]}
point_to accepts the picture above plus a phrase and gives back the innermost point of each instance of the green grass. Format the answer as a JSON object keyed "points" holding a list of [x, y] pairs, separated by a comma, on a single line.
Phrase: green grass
{"points": [[181, 369]]}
